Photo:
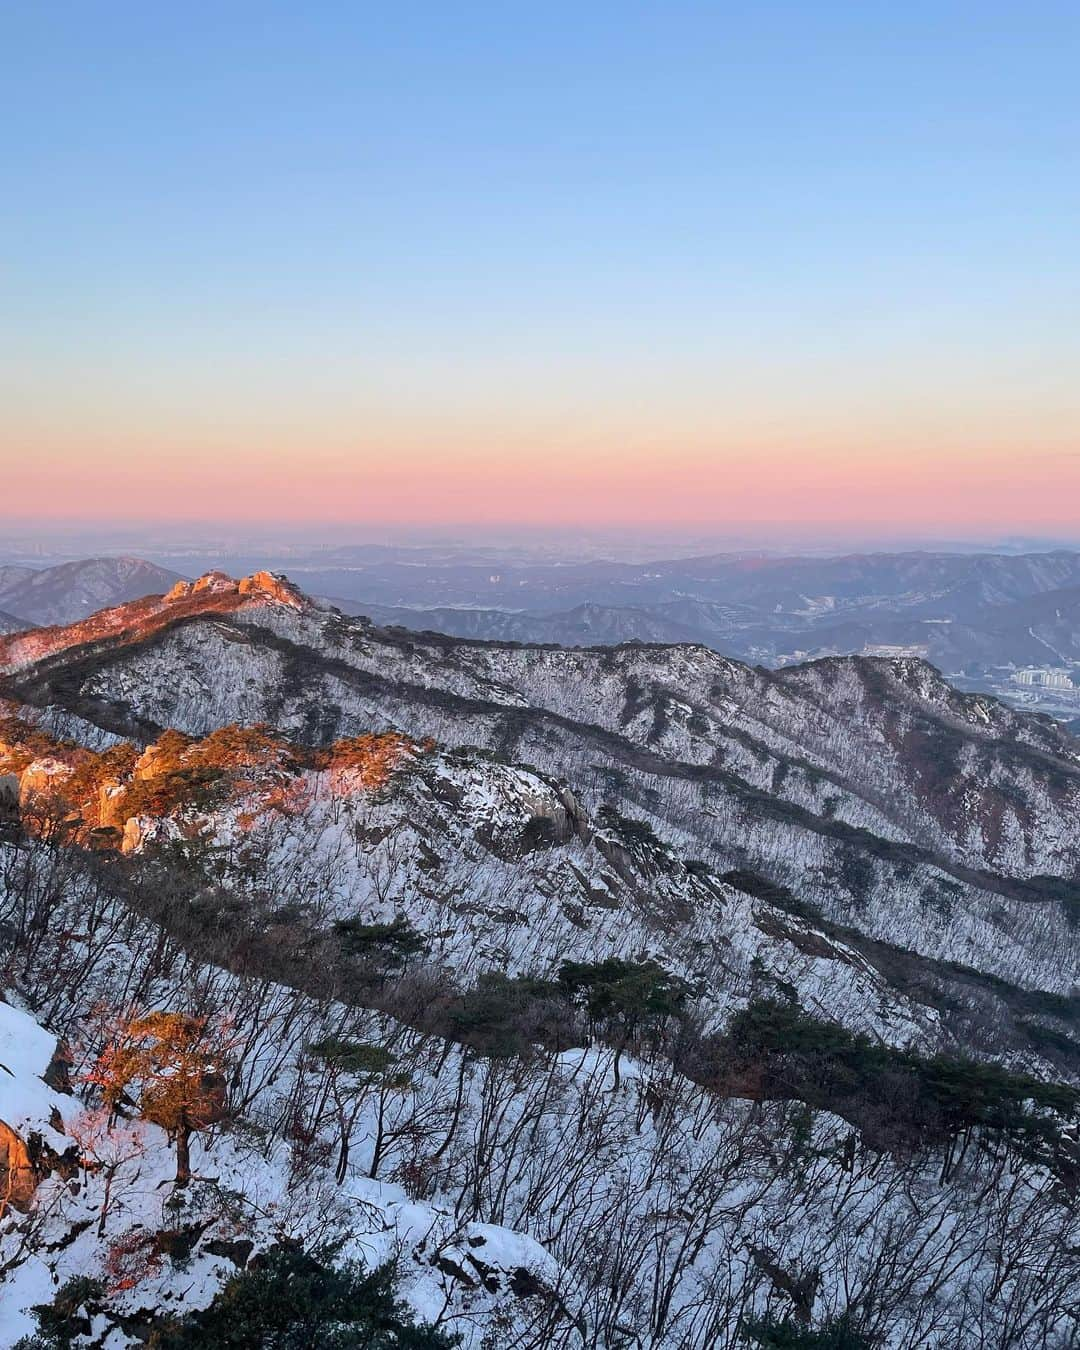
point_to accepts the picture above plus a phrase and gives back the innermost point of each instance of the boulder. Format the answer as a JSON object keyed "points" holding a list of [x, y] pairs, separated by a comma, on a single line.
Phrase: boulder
{"points": [[272, 584], [18, 1178], [32, 1140]]}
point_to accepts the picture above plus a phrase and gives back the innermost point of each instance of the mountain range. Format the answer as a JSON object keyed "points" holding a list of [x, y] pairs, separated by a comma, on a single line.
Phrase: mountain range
{"points": [[960, 610], [616, 996], [966, 613]]}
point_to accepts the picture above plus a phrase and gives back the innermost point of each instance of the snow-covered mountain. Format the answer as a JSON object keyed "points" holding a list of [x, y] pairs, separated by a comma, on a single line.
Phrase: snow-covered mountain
{"points": [[619, 996], [70, 591]]}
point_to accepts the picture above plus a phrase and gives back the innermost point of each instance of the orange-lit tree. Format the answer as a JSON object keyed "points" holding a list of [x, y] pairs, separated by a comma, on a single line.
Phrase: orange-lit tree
{"points": [[175, 1063]]}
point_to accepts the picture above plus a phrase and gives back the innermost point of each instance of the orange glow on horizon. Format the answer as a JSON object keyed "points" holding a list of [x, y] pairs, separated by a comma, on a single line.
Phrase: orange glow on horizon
{"points": [[884, 486]]}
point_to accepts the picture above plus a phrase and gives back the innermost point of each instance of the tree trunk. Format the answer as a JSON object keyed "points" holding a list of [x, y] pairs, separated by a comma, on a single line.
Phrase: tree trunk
{"points": [[457, 1110], [344, 1131], [615, 1064], [377, 1146], [183, 1154], [110, 1173]]}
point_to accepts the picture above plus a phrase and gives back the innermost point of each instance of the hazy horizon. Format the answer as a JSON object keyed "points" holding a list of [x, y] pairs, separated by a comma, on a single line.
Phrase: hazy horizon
{"points": [[52, 539]]}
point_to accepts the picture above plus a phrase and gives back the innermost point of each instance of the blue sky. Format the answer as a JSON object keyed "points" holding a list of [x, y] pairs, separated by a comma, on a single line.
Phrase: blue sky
{"points": [[423, 231]]}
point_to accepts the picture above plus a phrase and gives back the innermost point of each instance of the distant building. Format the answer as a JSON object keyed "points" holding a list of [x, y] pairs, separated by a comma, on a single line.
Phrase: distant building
{"points": [[1043, 678]]}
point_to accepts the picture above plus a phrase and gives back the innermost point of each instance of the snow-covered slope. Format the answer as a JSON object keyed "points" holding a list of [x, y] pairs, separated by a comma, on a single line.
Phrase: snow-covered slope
{"points": [[97, 1212], [887, 743], [405, 871], [528, 1201], [869, 787], [584, 625], [495, 866]]}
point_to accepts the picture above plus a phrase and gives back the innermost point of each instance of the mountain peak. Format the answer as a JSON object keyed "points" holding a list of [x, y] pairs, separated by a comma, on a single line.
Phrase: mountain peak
{"points": [[271, 585], [213, 593]]}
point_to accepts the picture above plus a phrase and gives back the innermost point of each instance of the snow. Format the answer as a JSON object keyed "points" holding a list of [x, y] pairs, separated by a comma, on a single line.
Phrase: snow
{"points": [[540, 1163], [376, 1221], [26, 1049]]}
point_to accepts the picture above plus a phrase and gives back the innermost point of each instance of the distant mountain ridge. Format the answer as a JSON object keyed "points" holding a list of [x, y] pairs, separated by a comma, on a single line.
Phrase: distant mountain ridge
{"points": [[982, 610], [1035, 631], [585, 625], [921, 584], [978, 610], [70, 591]]}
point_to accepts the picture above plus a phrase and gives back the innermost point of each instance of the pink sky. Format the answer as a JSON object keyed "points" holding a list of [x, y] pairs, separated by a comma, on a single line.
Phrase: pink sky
{"points": [[942, 444], [887, 485], [546, 475]]}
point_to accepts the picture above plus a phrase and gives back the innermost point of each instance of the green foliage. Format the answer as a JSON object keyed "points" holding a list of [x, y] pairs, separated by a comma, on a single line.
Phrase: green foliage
{"points": [[538, 833], [625, 996], [827, 1066], [1049, 1039], [360, 1059], [295, 1300], [771, 1026], [1065, 891], [781, 897], [856, 874], [501, 1017], [388, 945], [633, 833], [838, 1333], [66, 1317]]}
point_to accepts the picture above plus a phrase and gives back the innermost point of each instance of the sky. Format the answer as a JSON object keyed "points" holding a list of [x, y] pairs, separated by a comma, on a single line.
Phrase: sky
{"points": [[744, 267]]}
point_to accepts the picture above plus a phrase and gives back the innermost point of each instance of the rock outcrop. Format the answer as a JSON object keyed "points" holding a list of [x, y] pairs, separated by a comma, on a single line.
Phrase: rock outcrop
{"points": [[32, 1143]]}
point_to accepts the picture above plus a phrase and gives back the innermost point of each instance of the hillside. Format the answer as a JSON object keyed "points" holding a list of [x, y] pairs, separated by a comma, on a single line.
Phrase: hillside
{"points": [[793, 592], [867, 785], [585, 625], [68, 592], [618, 996]]}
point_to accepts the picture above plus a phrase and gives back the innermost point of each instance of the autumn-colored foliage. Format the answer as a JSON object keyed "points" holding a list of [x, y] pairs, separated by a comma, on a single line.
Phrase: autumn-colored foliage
{"points": [[95, 793], [174, 1063], [368, 760], [130, 1259], [93, 773], [21, 743], [236, 748]]}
